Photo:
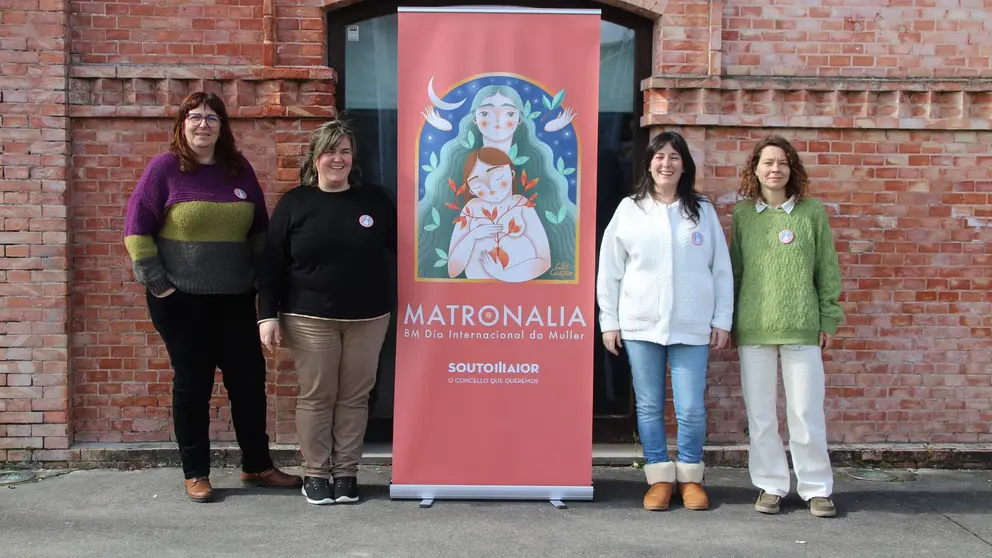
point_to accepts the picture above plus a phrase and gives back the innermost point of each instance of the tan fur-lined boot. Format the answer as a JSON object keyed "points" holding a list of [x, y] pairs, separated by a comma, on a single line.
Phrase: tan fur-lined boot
{"points": [[661, 477], [690, 479]]}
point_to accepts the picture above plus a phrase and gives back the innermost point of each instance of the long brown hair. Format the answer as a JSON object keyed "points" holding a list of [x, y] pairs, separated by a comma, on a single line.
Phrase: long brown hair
{"points": [[226, 152], [798, 179], [326, 137]]}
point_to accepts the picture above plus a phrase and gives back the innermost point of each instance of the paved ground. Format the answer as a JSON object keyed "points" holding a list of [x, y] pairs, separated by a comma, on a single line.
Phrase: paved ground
{"points": [[144, 513]]}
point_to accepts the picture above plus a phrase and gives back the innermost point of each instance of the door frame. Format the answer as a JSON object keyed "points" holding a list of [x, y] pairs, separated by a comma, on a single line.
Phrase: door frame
{"points": [[609, 428]]}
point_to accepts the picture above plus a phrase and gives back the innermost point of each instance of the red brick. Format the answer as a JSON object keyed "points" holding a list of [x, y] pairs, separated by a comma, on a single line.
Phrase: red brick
{"points": [[50, 430], [56, 455], [19, 417], [21, 443]]}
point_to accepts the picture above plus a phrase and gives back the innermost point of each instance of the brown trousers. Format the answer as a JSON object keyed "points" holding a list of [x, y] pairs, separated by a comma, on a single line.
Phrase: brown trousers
{"points": [[336, 362]]}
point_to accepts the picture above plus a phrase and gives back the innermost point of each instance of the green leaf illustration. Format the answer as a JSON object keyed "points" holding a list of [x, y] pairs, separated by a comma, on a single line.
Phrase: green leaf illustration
{"points": [[568, 171], [561, 214], [534, 115], [547, 102], [527, 109], [440, 263], [513, 151], [433, 159], [561, 165], [559, 98], [520, 160], [427, 168], [441, 254], [430, 227], [435, 216], [551, 217], [470, 139]]}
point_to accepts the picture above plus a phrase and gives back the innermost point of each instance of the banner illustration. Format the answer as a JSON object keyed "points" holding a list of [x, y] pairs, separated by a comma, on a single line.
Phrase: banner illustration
{"points": [[496, 198]]}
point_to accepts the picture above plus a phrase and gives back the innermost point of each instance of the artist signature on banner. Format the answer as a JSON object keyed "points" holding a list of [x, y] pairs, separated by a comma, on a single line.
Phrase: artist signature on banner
{"points": [[562, 270]]}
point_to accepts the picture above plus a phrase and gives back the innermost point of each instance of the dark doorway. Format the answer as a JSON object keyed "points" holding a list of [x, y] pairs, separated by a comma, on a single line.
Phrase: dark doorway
{"points": [[362, 48]]}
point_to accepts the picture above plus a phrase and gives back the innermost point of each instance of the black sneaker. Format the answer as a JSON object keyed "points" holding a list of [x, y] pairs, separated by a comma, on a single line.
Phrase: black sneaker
{"points": [[317, 490], [345, 490]]}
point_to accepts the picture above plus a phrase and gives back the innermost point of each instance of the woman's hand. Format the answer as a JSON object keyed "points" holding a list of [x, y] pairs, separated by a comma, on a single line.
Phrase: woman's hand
{"points": [[271, 335], [487, 230], [612, 342], [563, 119], [719, 338], [494, 268], [433, 117], [166, 293], [825, 340]]}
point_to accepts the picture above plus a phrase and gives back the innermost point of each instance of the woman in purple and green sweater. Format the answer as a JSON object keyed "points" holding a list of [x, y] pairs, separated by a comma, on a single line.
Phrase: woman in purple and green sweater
{"points": [[787, 284], [196, 223]]}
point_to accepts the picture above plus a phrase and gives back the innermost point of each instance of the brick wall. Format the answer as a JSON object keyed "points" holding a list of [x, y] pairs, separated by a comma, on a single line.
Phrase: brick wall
{"points": [[34, 415], [909, 38], [904, 164], [121, 372], [912, 218], [191, 32]]}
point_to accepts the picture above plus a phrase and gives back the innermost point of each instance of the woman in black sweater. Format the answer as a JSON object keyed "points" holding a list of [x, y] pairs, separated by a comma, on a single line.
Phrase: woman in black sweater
{"points": [[325, 289]]}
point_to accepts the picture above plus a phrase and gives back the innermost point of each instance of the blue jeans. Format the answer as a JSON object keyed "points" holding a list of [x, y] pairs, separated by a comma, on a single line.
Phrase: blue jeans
{"points": [[647, 366]]}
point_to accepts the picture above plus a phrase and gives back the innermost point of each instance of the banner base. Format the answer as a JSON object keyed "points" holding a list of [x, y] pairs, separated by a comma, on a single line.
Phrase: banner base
{"points": [[427, 493]]}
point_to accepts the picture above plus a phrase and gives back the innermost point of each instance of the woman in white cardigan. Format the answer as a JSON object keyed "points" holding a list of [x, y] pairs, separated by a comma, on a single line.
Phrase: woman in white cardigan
{"points": [[665, 291]]}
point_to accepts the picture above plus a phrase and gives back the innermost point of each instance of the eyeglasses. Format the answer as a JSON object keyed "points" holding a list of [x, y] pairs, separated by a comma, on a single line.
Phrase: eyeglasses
{"points": [[196, 119]]}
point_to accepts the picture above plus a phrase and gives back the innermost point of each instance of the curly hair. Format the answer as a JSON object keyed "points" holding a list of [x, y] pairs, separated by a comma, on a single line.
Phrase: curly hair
{"points": [[326, 137], [798, 179], [225, 151]]}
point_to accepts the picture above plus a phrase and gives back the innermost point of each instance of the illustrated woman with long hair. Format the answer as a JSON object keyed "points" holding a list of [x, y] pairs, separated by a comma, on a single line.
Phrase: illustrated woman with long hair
{"points": [[495, 121]]}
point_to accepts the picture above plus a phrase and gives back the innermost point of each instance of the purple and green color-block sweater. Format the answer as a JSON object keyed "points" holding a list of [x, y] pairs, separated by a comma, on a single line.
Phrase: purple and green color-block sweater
{"points": [[199, 232]]}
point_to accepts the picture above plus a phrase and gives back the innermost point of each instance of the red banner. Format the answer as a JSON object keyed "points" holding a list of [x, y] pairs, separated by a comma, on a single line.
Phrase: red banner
{"points": [[497, 140]]}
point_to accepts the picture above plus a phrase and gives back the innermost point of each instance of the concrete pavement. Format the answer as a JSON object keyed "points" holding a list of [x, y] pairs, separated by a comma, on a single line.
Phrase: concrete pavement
{"points": [[144, 513]]}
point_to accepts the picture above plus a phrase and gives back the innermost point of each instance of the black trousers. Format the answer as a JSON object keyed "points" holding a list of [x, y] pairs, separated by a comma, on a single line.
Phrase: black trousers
{"points": [[203, 333]]}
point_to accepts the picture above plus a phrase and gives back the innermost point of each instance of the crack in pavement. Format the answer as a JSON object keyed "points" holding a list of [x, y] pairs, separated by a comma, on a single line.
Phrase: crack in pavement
{"points": [[954, 521]]}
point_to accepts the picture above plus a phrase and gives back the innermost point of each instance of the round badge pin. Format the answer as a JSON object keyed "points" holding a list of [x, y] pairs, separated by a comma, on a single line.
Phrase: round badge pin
{"points": [[240, 193], [786, 236], [697, 238], [365, 221]]}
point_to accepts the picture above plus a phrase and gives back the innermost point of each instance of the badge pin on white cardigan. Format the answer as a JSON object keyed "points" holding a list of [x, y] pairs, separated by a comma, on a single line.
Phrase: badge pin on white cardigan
{"points": [[697, 238]]}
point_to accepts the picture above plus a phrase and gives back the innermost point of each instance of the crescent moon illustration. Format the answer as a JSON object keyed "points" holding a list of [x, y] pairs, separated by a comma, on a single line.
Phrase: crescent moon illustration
{"points": [[438, 102]]}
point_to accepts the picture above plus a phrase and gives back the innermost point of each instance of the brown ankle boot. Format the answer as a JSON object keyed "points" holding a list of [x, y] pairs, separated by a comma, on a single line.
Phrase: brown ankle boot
{"points": [[199, 489], [658, 496], [661, 477], [690, 479], [273, 478]]}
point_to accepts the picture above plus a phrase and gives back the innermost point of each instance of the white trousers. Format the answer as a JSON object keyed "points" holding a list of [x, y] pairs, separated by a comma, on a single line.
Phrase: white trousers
{"points": [[802, 375]]}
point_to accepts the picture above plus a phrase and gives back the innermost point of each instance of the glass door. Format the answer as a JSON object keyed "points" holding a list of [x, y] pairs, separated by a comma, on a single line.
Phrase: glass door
{"points": [[364, 52]]}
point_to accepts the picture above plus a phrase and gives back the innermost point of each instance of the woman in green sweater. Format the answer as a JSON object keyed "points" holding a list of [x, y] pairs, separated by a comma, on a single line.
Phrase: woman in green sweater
{"points": [[787, 285]]}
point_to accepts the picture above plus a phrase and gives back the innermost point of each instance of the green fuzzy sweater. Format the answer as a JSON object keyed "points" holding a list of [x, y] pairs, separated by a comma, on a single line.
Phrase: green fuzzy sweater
{"points": [[785, 292]]}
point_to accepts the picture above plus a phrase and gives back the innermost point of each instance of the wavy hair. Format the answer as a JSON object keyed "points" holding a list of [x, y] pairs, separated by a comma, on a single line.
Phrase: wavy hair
{"points": [[798, 179], [226, 152], [325, 138], [685, 190]]}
